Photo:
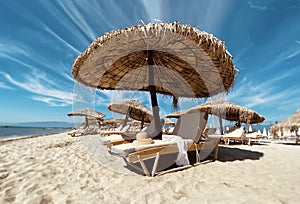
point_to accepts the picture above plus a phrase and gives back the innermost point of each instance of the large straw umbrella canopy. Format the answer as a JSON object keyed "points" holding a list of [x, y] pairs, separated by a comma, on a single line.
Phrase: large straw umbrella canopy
{"points": [[167, 58], [133, 109], [88, 113], [292, 123]]}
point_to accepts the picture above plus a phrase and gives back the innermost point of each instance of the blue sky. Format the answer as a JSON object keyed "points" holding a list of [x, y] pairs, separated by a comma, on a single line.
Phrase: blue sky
{"points": [[39, 41]]}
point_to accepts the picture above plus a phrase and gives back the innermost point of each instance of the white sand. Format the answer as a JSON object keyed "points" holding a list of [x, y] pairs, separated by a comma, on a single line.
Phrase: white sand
{"points": [[62, 169]]}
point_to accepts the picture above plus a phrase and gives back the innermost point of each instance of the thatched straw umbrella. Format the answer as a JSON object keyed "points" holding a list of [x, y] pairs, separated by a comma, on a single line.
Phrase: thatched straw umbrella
{"points": [[176, 114], [167, 58], [224, 109], [92, 121], [228, 111], [132, 109], [87, 112], [292, 123], [112, 122], [169, 122]]}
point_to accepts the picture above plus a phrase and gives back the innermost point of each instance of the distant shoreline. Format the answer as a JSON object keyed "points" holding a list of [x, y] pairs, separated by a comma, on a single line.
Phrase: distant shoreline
{"points": [[12, 126], [9, 133], [24, 137]]}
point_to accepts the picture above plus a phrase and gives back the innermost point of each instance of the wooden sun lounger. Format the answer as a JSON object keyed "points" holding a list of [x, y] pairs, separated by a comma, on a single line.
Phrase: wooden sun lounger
{"points": [[240, 139], [161, 149], [235, 135], [189, 127]]}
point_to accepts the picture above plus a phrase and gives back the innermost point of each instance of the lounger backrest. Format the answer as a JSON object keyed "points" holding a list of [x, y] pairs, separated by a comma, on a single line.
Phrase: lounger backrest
{"points": [[191, 125], [239, 132], [252, 134]]}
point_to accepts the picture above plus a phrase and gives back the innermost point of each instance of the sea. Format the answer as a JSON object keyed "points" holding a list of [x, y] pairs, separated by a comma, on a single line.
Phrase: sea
{"points": [[13, 131]]}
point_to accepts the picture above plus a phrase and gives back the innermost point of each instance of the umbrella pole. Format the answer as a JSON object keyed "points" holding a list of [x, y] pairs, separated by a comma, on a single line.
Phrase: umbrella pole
{"points": [[86, 122], [126, 118], [221, 125], [142, 123], [152, 89]]}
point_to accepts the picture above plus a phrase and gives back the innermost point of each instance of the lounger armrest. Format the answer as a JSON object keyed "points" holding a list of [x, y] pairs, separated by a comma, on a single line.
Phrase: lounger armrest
{"points": [[151, 152], [110, 144], [110, 133]]}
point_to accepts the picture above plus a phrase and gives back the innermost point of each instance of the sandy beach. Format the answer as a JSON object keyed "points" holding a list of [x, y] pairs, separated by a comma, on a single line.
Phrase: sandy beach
{"points": [[63, 169]]}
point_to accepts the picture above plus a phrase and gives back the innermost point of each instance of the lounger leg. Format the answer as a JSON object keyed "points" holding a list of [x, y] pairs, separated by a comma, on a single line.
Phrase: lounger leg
{"points": [[143, 166], [155, 164]]}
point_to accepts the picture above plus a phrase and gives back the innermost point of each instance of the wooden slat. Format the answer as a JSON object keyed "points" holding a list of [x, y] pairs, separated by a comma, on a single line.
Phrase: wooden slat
{"points": [[144, 166], [148, 153], [155, 164]]}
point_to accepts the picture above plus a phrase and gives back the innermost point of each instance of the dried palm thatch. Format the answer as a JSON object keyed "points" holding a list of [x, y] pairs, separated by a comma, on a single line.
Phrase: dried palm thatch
{"points": [[92, 121], [292, 123], [87, 112], [134, 109], [185, 62], [168, 121], [229, 111], [112, 122], [176, 114]]}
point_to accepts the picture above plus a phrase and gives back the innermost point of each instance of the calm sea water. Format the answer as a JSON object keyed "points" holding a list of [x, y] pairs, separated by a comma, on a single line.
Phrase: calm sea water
{"points": [[11, 131]]}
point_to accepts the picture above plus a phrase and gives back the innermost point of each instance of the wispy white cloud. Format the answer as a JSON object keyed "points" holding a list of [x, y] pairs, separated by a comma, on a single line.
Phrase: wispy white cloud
{"points": [[61, 39], [267, 96], [215, 12], [282, 57], [39, 84], [56, 102], [12, 48], [297, 41], [17, 52], [76, 16], [4, 86], [153, 9], [14, 51], [260, 4], [290, 54]]}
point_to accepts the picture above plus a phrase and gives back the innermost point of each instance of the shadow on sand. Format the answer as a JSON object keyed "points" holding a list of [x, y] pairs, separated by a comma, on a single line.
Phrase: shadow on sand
{"points": [[226, 154], [290, 143], [233, 154]]}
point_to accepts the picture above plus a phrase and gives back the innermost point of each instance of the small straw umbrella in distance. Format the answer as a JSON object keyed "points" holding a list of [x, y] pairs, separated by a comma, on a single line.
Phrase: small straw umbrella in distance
{"points": [[87, 112], [168, 121], [92, 121], [229, 111], [133, 109], [167, 58], [292, 123], [111, 122]]}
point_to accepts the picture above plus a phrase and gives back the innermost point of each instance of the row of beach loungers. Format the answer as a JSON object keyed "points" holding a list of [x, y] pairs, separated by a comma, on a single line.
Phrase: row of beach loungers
{"points": [[189, 135]]}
